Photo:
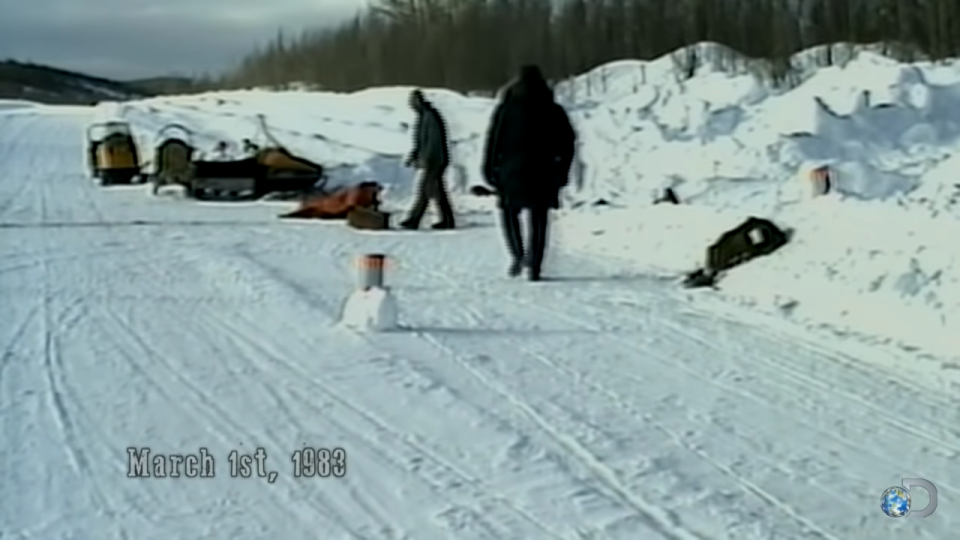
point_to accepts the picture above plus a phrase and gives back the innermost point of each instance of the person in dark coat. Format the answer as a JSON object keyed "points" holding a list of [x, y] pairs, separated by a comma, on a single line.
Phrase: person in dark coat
{"points": [[529, 150], [430, 156]]}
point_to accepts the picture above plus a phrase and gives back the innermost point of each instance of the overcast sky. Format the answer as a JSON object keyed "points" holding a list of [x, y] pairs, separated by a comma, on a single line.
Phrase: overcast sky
{"points": [[126, 39]]}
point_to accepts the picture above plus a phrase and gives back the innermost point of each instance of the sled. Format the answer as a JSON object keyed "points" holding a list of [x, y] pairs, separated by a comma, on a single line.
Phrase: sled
{"points": [[112, 153], [701, 278], [271, 170], [753, 238]]}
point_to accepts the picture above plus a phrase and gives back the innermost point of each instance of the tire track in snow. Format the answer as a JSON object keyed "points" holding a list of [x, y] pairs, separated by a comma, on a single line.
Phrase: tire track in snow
{"points": [[418, 449], [803, 381], [15, 196], [92, 424], [65, 402], [951, 449], [19, 333], [240, 335], [677, 440], [246, 349], [576, 304], [33, 259], [604, 473], [77, 414], [472, 314], [11, 392], [711, 307], [403, 452], [229, 430], [12, 153], [212, 324], [91, 202], [596, 464], [53, 372], [663, 521], [84, 421], [918, 393], [748, 485]]}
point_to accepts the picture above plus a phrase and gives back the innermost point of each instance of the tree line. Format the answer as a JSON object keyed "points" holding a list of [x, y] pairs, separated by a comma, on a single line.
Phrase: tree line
{"points": [[476, 45]]}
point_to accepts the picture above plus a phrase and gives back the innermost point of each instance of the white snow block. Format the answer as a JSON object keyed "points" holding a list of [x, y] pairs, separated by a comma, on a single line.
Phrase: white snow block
{"points": [[816, 180], [373, 309]]}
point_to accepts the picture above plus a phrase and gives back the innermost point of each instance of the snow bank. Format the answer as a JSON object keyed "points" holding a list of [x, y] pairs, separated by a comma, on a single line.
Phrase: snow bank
{"points": [[874, 257], [17, 105], [860, 267]]}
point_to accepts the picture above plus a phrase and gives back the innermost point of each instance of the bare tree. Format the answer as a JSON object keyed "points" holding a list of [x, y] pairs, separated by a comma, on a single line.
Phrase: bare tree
{"points": [[473, 45]]}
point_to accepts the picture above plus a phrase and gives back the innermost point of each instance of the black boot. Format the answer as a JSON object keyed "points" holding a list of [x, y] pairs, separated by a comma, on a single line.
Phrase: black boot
{"points": [[516, 267], [443, 226], [409, 224]]}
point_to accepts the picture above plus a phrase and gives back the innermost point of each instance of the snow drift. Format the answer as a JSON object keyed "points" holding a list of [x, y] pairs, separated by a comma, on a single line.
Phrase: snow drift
{"points": [[8, 105], [876, 256]]}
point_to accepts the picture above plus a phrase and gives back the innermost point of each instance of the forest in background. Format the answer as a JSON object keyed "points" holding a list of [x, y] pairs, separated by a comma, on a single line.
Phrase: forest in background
{"points": [[477, 45]]}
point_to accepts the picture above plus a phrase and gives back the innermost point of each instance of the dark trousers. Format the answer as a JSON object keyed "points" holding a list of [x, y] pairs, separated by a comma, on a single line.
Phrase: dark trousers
{"points": [[430, 187], [538, 224]]}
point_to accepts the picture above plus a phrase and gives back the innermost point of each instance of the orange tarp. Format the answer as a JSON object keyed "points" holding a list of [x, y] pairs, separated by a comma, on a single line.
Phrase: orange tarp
{"points": [[338, 204]]}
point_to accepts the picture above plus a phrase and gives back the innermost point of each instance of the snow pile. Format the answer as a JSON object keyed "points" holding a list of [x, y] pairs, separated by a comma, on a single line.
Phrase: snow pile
{"points": [[879, 124], [16, 105], [373, 309], [875, 256], [860, 267]]}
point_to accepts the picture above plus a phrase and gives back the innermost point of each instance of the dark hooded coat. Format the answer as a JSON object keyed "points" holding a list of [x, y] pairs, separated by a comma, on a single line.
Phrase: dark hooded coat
{"points": [[530, 145]]}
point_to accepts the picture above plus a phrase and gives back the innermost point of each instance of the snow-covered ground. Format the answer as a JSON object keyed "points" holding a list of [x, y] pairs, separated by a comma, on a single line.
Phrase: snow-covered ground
{"points": [[605, 404], [729, 145], [8, 105]]}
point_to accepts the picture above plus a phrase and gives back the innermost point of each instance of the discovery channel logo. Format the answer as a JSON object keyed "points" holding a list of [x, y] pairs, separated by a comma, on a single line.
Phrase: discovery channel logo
{"points": [[896, 501]]}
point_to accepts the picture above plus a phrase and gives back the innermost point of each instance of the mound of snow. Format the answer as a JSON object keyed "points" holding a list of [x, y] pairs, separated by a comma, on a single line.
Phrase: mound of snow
{"points": [[858, 266], [7, 105], [727, 142], [373, 309]]}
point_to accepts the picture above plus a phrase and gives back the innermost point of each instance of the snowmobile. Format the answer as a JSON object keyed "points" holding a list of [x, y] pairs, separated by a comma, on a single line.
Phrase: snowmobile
{"points": [[112, 153], [173, 158], [271, 170]]}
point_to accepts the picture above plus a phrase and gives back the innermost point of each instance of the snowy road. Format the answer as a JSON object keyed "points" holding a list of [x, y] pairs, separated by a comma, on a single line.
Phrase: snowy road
{"points": [[594, 406]]}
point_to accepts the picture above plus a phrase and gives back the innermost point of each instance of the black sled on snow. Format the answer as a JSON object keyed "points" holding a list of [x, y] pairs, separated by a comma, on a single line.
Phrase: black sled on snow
{"points": [[753, 238]]}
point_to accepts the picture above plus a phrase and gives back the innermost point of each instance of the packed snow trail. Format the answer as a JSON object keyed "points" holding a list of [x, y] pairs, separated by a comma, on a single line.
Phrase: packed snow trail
{"points": [[593, 406]]}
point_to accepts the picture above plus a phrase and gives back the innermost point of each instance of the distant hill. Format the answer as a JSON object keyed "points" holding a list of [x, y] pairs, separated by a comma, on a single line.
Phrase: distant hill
{"points": [[45, 84]]}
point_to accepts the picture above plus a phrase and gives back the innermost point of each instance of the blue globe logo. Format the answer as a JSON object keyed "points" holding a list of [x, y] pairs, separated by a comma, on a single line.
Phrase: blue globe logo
{"points": [[895, 502]]}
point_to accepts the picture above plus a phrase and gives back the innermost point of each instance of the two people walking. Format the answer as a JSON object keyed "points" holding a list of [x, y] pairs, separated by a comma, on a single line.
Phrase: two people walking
{"points": [[529, 150]]}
